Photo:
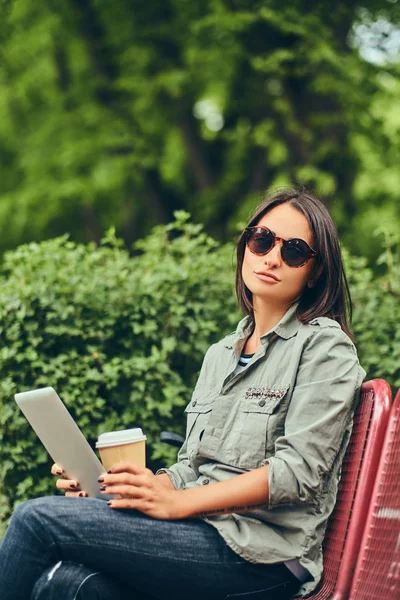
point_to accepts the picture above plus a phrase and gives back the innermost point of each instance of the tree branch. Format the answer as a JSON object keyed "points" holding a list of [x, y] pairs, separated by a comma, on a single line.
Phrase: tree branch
{"points": [[202, 172]]}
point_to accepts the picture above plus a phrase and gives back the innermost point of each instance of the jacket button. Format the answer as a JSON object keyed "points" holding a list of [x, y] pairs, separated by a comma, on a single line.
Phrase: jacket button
{"points": [[261, 403], [206, 481], [194, 403]]}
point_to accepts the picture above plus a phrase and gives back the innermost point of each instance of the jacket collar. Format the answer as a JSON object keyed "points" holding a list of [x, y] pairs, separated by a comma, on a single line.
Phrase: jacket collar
{"points": [[287, 327]]}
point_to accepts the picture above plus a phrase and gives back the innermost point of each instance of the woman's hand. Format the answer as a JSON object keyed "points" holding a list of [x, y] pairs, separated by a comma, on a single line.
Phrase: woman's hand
{"points": [[70, 485], [140, 489]]}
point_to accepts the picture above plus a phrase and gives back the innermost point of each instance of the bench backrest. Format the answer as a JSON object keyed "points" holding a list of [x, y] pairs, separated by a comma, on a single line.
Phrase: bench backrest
{"points": [[377, 575], [347, 522]]}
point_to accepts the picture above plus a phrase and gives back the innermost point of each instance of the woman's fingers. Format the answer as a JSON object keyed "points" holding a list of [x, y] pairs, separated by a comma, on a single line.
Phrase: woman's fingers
{"points": [[125, 491], [129, 468], [127, 485], [72, 488], [68, 484], [126, 503], [57, 470], [128, 474], [133, 486], [146, 506], [126, 479], [138, 488]]}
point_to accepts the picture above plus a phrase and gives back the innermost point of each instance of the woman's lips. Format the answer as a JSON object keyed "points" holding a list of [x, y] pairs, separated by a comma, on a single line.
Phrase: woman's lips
{"points": [[267, 277]]}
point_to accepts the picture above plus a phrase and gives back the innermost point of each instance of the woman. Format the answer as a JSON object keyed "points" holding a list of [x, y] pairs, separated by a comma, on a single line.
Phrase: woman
{"points": [[242, 514]]}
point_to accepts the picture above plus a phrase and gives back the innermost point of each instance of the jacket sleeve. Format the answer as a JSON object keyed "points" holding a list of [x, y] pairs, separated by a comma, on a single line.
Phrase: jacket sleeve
{"points": [[318, 420], [181, 472]]}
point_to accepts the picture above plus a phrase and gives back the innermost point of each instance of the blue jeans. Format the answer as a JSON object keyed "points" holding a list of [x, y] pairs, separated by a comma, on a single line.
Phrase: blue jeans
{"points": [[78, 548]]}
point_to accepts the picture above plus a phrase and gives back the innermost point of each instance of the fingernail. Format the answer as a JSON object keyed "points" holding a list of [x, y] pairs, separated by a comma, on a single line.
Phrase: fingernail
{"points": [[100, 479], [82, 494], [109, 471], [72, 485], [102, 488], [109, 503]]}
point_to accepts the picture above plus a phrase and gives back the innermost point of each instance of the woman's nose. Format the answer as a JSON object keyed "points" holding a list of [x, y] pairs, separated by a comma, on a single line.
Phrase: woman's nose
{"points": [[274, 258]]}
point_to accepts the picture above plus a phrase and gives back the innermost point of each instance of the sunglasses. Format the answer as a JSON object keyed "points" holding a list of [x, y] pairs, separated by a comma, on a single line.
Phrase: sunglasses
{"points": [[295, 252]]}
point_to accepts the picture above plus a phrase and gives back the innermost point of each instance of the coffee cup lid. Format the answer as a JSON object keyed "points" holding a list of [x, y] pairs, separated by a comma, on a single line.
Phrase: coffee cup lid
{"points": [[118, 438]]}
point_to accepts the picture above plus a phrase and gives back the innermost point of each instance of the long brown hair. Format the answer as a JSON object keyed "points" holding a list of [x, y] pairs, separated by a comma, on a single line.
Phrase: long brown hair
{"points": [[330, 296]]}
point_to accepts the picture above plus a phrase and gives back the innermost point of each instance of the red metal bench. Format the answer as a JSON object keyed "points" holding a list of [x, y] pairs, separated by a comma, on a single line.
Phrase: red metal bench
{"points": [[377, 575], [347, 522]]}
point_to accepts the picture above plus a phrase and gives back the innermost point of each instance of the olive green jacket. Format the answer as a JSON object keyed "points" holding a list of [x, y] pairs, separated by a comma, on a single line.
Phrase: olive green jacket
{"points": [[292, 407]]}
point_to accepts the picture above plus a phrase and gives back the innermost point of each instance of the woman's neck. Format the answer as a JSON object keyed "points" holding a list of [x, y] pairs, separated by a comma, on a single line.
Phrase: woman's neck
{"points": [[265, 319]]}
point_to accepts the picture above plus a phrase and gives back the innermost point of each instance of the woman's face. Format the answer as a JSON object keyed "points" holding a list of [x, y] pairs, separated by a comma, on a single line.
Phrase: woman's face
{"points": [[267, 277]]}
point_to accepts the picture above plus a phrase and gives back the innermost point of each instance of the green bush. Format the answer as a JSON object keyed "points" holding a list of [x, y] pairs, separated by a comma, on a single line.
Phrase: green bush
{"points": [[121, 337], [376, 318]]}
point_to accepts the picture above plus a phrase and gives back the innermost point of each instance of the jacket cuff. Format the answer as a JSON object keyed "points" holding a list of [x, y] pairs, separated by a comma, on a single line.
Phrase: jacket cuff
{"points": [[180, 474], [283, 486]]}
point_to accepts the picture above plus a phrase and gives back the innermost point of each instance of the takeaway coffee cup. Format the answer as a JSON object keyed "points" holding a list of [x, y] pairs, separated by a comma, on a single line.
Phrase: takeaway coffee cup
{"points": [[128, 445]]}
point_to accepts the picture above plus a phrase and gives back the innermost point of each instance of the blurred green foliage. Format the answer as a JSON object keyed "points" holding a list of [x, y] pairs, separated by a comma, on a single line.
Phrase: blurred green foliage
{"points": [[376, 319], [122, 337], [120, 113]]}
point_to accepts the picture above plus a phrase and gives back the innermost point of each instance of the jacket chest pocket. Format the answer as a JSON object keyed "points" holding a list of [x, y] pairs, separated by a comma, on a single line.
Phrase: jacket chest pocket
{"points": [[263, 413], [198, 413]]}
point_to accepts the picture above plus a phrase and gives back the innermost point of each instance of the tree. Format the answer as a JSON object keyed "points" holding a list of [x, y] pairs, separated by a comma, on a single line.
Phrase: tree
{"points": [[123, 112]]}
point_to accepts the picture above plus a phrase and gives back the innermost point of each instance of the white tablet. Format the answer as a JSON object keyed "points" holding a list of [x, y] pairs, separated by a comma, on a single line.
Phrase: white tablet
{"points": [[62, 438]]}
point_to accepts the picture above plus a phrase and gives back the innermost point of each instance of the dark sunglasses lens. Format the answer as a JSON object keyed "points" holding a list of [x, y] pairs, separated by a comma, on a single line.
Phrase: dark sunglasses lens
{"points": [[260, 241], [295, 253]]}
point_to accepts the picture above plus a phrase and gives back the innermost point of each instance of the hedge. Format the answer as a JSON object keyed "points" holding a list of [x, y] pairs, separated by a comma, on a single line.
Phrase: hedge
{"points": [[121, 337]]}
